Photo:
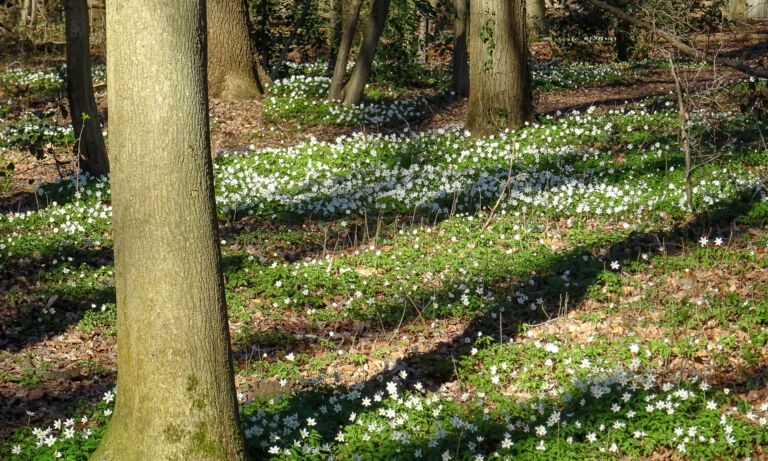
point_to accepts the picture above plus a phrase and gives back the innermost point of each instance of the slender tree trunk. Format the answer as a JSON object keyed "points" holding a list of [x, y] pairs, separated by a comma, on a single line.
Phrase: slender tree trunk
{"points": [[535, 11], [353, 90], [500, 88], [623, 41], [82, 105], [291, 37], [232, 72], [335, 93], [423, 35], [176, 396], [460, 62], [335, 32]]}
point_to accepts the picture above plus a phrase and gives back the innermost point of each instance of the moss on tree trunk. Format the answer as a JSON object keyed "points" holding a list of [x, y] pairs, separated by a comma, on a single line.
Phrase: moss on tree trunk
{"points": [[175, 391], [500, 82]]}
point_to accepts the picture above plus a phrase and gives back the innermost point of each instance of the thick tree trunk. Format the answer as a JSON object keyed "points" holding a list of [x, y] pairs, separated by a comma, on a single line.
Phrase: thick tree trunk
{"points": [[353, 90], [291, 37], [736, 9], [232, 72], [335, 93], [535, 11], [460, 62], [176, 396], [500, 81], [82, 105], [334, 34]]}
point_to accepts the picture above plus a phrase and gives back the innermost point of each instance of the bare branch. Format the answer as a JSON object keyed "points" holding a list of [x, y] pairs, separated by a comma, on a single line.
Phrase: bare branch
{"points": [[677, 43]]}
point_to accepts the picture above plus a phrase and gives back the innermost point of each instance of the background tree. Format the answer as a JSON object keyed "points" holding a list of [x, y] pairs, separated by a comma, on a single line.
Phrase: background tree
{"points": [[82, 105], [460, 63], [335, 92], [233, 71], [535, 11], [499, 78], [176, 396], [353, 90]]}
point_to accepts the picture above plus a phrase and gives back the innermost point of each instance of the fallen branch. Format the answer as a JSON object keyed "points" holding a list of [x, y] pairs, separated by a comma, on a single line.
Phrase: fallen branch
{"points": [[677, 43]]}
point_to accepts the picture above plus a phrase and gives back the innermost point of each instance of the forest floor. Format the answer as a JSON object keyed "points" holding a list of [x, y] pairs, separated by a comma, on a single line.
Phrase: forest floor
{"points": [[362, 259]]}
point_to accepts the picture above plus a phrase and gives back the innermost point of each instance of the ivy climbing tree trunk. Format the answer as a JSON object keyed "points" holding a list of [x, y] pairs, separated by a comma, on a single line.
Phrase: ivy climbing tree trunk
{"points": [[82, 105], [335, 92], [353, 90], [499, 78], [175, 390], [233, 70], [460, 62]]}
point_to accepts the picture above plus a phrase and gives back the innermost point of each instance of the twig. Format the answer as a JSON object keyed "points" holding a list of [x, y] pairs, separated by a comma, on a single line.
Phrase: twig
{"points": [[506, 185]]}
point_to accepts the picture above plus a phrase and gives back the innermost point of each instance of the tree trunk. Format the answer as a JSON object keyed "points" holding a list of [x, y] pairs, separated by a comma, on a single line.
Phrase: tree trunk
{"points": [[757, 9], [736, 9], [500, 81], [335, 31], [535, 11], [291, 37], [335, 93], [232, 72], [423, 37], [176, 396], [460, 62], [623, 41], [353, 90], [82, 105]]}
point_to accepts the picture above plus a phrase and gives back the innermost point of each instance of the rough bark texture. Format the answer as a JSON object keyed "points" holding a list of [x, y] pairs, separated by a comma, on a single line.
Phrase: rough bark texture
{"points": [[335, 93], [176, 396], [353, 90], [535, 11], [232, 72], [90, 146], [500, 81], [460, 62]]}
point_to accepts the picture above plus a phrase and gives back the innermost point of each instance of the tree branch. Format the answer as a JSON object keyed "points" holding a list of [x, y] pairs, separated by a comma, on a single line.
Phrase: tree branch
{"points": [[677, 43]]}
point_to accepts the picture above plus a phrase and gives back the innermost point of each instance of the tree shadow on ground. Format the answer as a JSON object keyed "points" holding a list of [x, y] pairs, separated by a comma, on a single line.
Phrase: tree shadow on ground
{"points": [[437, 367]]}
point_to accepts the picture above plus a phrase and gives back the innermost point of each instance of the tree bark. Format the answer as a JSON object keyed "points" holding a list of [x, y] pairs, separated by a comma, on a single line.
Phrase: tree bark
{"points": [[460, 61], [335, 33], [232, 68], [423, 37], [623, 41], [176, 396], [335, 92], [500, 81], [757, 9], [677, 43], [736, 9], [82, 105], [535, 11], [353, 90]]}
